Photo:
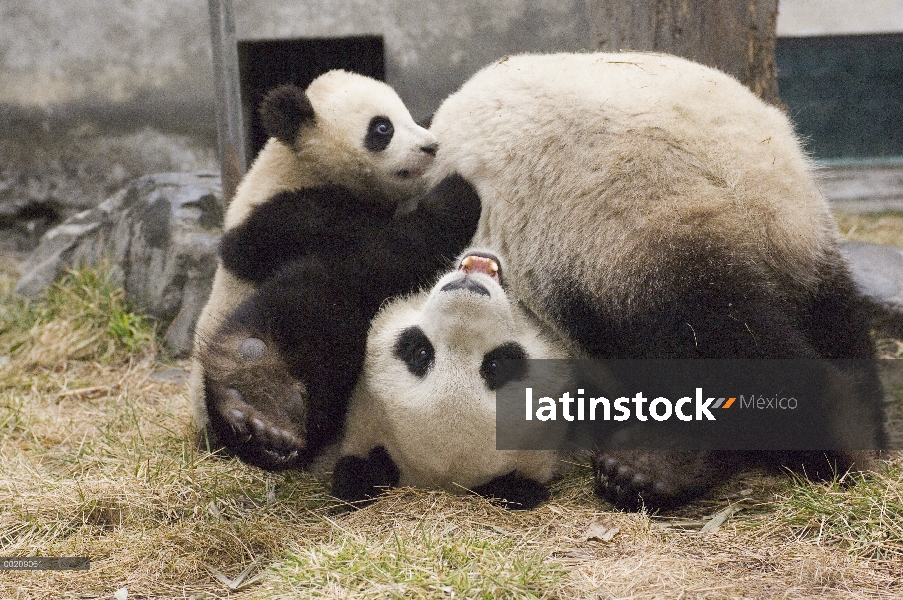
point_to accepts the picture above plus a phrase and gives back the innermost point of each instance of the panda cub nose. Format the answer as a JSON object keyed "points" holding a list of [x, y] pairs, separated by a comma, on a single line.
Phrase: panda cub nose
{"points": [[465, 283], [430, 148]]}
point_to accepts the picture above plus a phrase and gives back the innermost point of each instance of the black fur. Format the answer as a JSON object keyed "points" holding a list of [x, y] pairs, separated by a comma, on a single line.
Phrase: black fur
{"points": [[379, 134], [514, 491], [283, 111], [706, 301], [414, 349], [325, 261], [328, 221], [512, 368], [362, 480]]}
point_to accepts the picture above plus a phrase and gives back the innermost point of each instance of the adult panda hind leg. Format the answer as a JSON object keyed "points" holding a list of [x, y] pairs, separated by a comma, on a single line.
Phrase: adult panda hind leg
{"points": [[836, 320], [703, 300]]}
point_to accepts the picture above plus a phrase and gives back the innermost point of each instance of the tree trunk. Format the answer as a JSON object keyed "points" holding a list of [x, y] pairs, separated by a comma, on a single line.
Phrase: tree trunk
{"points": [[736, 36]]}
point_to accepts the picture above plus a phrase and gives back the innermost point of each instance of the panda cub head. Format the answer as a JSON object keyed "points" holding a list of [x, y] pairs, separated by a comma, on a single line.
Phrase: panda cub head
{"points": [[351, 131], [424, 411]]}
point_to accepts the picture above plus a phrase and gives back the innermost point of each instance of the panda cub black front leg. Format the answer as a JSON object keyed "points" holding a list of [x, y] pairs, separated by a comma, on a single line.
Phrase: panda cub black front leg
{"points": [[361, 480]]}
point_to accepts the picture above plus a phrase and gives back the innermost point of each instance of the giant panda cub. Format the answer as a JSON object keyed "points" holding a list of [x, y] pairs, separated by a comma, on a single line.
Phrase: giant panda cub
{"points": [[424, 412], [312, 246], [652, 207]]}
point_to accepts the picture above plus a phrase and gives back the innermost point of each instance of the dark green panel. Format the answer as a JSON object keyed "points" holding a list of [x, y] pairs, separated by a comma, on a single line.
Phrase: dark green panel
{"points": [[845, 93]]}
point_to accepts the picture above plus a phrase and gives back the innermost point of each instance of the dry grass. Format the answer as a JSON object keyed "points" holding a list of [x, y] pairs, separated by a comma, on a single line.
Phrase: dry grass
{"points": [[95, 460], [878, 228]]}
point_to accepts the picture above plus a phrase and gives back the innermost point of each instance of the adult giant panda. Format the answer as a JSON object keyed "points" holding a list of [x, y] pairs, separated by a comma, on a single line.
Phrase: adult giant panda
{"points": [[424, 411], [651, 207], [310, 250]]}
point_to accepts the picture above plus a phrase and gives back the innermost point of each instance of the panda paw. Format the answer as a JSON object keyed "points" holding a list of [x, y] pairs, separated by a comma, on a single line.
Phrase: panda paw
{"points": [[514, 492], [361, 480], [255, 408], [276, 444], [652, 480]]}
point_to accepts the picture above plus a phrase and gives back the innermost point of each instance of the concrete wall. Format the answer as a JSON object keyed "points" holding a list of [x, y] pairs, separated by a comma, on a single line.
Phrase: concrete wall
{"points": [[157, 53], [94, 92], [797, 18]]}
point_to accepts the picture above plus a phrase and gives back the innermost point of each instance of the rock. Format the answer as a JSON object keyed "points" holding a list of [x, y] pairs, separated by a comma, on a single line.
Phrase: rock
{"points": [[878, 273], [159, 235], [74, 160]]}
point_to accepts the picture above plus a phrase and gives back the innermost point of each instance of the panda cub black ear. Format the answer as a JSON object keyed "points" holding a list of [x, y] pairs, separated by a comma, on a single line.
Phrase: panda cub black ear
{"points": [[283, 111]]}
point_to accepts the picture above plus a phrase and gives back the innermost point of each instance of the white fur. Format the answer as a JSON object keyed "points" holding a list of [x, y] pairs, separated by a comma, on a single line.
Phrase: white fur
{"points": [[331, 152], [440, 429], [590, 163]]}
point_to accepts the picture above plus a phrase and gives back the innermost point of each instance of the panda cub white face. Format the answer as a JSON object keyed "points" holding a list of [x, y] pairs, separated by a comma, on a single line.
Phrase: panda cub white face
{"points": [[364, 132], [427, 393]]}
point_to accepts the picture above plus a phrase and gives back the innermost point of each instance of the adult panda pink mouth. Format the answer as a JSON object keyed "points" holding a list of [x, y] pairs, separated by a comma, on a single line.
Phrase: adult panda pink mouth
{"points": [[479, 262]]}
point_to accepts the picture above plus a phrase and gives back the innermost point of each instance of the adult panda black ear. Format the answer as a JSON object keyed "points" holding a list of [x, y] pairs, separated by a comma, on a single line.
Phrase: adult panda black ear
{"points": [[283, 111]]}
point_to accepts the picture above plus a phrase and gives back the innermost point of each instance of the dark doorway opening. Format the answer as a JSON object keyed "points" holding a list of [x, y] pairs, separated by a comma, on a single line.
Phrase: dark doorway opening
{"points": [[265, 64]]}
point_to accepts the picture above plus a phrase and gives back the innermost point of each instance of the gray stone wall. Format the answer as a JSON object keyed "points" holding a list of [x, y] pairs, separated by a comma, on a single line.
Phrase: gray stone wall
{"points": [[94, 93]]}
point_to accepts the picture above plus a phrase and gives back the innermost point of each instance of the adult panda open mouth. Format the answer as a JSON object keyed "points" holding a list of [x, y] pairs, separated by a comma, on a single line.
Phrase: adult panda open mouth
{"points": [[474, 265], [482, 262]]}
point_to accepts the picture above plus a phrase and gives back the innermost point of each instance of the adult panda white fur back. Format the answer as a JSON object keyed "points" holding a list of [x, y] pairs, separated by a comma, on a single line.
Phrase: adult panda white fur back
{"points": [[643, 147], [313, 217], [649, 206], [424, 411]]}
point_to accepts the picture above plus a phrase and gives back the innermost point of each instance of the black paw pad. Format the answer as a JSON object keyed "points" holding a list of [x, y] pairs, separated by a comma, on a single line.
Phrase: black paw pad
{"points": [[629, 485], [264, 438]]}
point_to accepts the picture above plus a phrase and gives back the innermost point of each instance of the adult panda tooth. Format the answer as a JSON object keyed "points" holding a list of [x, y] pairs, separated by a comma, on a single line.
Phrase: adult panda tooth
{"points": [[493, 266], [467, 263]]}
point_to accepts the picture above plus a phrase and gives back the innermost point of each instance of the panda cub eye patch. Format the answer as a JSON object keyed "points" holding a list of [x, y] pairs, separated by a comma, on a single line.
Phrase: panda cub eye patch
{"points": [[495, 373], [379, 134], [415, 350]]}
